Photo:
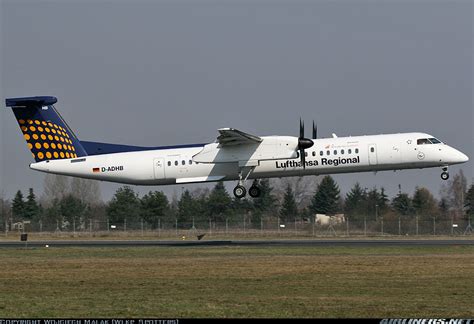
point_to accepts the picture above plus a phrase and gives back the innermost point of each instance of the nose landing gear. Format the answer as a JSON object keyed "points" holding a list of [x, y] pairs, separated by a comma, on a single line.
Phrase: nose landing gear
{"points": [[445, 174]]}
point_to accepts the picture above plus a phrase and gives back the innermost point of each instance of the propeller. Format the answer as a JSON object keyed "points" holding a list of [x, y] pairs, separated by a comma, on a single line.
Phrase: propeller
{"points": [[315, 131], [303, 143]]}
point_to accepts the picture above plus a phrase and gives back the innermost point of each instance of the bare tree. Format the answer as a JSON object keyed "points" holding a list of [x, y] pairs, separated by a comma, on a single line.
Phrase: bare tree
{"points": [[55, 187], [4, 206], [88, 191], [200, 192], [454, 193], [303, 188]]}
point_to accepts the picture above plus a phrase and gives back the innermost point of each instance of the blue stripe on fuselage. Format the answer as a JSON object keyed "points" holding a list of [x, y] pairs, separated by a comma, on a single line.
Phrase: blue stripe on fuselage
{"points": [[96, 148]]}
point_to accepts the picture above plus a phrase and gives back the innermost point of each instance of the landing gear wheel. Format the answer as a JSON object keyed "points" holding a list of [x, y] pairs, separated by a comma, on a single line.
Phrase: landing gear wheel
{"points": [[254, 191], [239, 191], [445, 175]]}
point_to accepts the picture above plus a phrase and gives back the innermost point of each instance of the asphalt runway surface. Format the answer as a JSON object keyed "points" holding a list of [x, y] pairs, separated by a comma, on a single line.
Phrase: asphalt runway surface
{"points": [[209, 243]]}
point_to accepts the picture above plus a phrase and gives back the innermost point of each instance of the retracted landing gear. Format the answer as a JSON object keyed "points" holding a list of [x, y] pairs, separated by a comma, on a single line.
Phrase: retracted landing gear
{"points": [[445, 174]]}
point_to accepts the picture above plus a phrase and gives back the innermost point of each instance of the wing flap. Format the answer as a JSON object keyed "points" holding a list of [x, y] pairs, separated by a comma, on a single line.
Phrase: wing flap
{"points": [[199, 179]]}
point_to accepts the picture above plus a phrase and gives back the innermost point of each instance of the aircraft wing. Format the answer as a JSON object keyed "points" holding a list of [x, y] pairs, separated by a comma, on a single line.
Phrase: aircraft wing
{"points": [[232, 136]]}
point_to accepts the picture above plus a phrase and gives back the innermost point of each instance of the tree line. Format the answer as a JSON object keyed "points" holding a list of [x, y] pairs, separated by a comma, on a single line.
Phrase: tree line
{"points": [[76, 202]]}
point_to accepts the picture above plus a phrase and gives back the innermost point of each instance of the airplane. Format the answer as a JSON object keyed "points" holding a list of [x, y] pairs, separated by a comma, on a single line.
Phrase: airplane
{"points": [[235, 155]]}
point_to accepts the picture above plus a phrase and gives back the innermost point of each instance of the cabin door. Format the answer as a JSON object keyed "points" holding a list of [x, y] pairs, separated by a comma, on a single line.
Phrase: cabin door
{"points": [[159, 168], [372, 154]]}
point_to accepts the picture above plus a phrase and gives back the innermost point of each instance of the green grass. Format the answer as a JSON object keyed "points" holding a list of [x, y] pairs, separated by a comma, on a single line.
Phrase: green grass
{"points": [[434, 282]]}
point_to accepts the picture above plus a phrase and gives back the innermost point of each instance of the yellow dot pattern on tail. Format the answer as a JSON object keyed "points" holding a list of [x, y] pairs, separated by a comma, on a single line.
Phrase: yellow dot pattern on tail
{"points": [[45, 146]]}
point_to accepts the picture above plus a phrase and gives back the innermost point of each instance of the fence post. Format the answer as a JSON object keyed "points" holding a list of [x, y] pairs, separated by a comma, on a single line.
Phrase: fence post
{"points": [[399, 226], [40, 223], [74, 227], [244, 224], [434, 226], [296, 230], [108, 225], [210, 227], [365, 226], [347, 226], [381, 224], [176, 226], [90, 226], [452, 223], [416, 219], [159, 227], [278, 224], [142, 225], [314, 221], [261, 225], [226, 226]]}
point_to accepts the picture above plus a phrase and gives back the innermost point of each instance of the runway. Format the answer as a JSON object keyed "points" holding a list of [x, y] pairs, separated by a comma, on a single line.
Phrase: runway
{"points": [[210, 243]]}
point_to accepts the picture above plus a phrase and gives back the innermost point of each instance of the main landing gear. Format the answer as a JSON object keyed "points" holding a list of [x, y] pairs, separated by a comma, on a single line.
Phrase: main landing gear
{"points": [[445, 174], [240, 191]]}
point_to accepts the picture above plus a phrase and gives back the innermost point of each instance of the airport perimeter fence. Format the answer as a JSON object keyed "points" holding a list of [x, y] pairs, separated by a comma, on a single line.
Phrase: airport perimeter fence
{"points": [[243, 228]]}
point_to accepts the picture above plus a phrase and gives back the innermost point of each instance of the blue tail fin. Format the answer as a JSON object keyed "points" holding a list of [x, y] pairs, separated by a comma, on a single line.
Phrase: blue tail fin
{"points": [[45, 131]]}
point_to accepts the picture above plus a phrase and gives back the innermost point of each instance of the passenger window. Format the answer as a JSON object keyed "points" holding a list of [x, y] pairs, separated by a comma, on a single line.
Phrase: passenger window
{"points": [[321, 153], [314, 153], [169, 163], [372, 149], [335, 152], [349, 151], [176, 163], [183, 162], [342, 151], [327, 152], [190, 162], [305, 153], [357, 151]]}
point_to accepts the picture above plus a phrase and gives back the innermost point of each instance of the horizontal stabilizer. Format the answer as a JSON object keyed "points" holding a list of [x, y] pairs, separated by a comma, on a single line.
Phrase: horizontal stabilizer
{"points": [[31, 101]]}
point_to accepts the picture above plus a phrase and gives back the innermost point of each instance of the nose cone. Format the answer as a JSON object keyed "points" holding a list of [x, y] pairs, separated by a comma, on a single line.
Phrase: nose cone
{"points": [[458, 157], [463, 157]]}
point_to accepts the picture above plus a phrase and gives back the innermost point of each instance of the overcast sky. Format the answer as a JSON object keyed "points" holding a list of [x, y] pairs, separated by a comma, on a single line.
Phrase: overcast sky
{"points": [[172, 72]]}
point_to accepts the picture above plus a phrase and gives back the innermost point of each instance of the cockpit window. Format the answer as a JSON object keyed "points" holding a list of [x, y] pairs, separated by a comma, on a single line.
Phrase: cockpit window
{"points": [[428, 141], [422, 141]]}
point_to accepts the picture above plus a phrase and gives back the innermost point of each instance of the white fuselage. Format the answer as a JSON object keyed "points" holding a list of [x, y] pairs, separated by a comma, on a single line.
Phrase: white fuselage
{"points": [[276, 156]]}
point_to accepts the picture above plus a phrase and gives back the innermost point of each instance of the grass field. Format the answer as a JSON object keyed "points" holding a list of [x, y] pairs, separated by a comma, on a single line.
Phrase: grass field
{"points": [[375, 282]]}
